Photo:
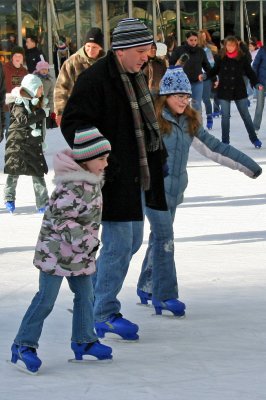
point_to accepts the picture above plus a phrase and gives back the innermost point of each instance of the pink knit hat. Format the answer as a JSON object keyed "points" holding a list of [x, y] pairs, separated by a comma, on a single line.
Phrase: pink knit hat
{"points": [[42, 65]]}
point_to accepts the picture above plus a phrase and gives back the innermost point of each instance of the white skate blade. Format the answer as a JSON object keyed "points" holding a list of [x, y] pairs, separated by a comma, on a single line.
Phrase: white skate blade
{"points": [[22, 367], [91, 360], [169, 315], [144, 305], [112, 337]]}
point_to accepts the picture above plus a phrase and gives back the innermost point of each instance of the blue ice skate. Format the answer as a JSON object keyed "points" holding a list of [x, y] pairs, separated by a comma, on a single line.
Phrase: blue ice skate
{"points": [[257, 144], [209, 121], [144, 296], [95, 349], [27, 355], [216, 114], [41, 210], [10, 206], [118, 325], [173, 305]]}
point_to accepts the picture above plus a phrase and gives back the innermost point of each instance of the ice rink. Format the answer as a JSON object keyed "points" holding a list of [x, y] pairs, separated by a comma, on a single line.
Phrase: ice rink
{"points": [[217, 352]]}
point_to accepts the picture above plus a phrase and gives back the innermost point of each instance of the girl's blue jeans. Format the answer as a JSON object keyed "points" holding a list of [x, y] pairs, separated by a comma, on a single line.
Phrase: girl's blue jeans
{"points": [[244, 113], [43, 302], [120, 241], [158, 272]]}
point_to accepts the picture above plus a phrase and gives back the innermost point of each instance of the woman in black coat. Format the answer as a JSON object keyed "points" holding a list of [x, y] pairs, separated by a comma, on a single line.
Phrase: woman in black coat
{"points": [[193, 67], [231, 66]]}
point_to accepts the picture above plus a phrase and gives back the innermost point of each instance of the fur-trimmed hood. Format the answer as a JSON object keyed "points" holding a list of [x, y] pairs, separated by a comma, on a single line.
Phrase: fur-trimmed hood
{"points": [[67, 170]]}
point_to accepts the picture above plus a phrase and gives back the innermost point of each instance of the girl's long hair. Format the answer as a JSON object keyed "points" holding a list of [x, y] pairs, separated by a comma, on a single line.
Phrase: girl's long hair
{"points": [[194, 118], [231, 39]]}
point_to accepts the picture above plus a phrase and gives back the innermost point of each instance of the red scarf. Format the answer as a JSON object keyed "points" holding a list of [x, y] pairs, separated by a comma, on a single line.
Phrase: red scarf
{"points": [[234, 54]]}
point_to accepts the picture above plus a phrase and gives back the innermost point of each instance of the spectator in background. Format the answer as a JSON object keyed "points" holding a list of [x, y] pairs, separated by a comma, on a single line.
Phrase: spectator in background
{"points": [[231, 66], [23, 153], [42, 71], [60, 54], [33, 54], [14, 72], [154, 70], [12, 42], [204, 40], [2, 102], [86, 56], [253, 48], [170, 42], [194, 66], [259, 66]]}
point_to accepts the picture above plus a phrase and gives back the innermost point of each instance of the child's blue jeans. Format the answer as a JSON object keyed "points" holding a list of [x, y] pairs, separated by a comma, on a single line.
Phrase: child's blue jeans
{"points": [[43, 302]]}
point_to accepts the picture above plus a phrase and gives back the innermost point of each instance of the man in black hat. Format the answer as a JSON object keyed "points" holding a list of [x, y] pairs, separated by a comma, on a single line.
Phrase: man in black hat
{"points": [[86, 56], [113, 96]]}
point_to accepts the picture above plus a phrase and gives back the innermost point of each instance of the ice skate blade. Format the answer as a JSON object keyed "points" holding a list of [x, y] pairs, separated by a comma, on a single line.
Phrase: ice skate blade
{"points": [[91, 360], [169, 315], [112, 337], [22, 367], [144, 305]]}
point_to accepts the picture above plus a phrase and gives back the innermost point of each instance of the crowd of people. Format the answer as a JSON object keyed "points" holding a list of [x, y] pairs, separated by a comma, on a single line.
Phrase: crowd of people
{"points": [[127, 116]]}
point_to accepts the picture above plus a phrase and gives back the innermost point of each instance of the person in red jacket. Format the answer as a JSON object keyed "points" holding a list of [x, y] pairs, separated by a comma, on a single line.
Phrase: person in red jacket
{"points": [[14, 72]]}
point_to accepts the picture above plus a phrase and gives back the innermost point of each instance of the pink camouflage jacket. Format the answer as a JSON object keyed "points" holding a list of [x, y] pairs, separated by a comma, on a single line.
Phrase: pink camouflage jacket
{"points": [[68, 238]]}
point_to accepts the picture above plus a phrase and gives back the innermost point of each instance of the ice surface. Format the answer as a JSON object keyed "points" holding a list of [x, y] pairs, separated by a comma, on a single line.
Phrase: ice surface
{"points": [[217, 352]]}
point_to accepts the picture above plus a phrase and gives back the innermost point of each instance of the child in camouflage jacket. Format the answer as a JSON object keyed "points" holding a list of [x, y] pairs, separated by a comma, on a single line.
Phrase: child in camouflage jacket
{"points": [[67, 246]]}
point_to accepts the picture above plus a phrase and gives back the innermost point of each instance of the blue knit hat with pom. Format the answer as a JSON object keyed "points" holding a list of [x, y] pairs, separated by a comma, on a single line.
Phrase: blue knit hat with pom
{"points": [[175, 81]]}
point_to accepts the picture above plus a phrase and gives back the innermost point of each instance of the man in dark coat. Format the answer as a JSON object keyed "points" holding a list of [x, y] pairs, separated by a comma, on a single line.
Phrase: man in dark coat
{"points": [[113, 96], [33, 54]]}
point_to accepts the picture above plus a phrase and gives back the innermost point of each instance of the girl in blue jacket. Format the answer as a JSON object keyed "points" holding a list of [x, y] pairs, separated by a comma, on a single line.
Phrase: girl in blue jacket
{"points": [[181, 128]]}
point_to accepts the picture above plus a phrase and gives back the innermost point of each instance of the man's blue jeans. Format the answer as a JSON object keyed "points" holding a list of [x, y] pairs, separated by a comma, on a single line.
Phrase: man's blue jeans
{"points": [[197, 91], [43, 302], [260, 95], [244, 113], [120, 240], [158, 273]]}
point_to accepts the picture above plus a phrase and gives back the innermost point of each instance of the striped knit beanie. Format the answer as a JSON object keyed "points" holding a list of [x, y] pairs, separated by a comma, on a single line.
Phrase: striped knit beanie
{"points": [[89, 144], [130, 32]]}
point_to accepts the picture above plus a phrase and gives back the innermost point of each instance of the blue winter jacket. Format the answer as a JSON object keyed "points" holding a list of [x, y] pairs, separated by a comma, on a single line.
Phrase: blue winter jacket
{"points": [[259, 65], [178, 143]]}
